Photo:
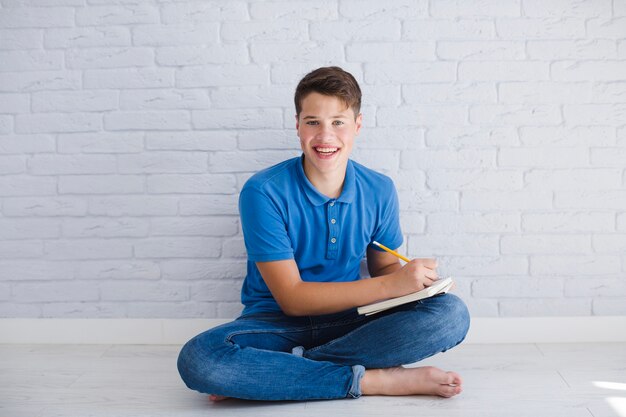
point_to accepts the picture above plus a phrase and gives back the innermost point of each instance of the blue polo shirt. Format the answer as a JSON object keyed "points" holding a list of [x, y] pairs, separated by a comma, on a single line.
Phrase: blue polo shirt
{"points": [[283, 216]]}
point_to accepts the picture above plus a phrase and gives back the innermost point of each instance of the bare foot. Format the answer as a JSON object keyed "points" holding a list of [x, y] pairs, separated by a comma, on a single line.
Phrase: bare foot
{"points": [[426, 380], [217, 398]]}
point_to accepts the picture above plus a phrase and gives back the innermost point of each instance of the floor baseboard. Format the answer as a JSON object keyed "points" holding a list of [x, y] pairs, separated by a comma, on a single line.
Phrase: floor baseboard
{"points": [[178, 331]]}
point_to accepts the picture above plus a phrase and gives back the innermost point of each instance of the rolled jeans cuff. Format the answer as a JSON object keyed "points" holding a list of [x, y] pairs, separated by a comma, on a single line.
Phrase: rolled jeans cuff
{"points": [[355, 389]]}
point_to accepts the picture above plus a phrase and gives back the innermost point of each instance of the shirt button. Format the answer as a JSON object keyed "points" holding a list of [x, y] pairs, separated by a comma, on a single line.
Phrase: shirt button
{"points": [[332, 203], [333, 221], [333, 240]]}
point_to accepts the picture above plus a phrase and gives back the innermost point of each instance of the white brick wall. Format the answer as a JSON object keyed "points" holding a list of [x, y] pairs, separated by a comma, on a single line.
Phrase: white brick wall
{"points": [[127, 129]]}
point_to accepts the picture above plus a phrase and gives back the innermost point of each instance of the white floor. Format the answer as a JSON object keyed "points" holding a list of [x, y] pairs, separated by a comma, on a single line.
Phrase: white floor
{"points": [[587, 380]]}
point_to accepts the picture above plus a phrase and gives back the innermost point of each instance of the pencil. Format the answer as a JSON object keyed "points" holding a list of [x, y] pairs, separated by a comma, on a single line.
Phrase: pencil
{"points": [[391, 251]]}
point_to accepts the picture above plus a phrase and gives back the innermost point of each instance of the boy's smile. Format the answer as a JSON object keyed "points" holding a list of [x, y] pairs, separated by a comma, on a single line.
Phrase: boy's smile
{"points": [[326, 127]]}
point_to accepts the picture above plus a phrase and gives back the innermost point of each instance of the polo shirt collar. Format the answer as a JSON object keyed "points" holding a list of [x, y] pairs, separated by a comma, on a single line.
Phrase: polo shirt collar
{"points": [[315, 197]]}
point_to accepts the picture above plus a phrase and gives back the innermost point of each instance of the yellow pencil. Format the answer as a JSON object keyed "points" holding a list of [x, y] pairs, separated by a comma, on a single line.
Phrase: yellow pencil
{"points": [[391, 251]]}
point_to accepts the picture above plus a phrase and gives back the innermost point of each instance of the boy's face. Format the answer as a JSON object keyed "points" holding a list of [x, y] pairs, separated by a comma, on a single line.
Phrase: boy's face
{"points": [[326, 127]]}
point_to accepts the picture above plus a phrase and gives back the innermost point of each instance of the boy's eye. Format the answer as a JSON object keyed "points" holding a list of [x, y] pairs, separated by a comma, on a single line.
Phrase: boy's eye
{"points": [[312, 123], [337, 122]]}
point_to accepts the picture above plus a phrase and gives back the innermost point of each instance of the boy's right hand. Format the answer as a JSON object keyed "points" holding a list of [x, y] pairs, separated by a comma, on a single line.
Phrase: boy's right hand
{"points": [[414, 276]]}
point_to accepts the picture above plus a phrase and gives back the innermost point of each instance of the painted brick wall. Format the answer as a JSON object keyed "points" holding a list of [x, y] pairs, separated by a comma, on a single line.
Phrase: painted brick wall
{"points": [[128, 127]]}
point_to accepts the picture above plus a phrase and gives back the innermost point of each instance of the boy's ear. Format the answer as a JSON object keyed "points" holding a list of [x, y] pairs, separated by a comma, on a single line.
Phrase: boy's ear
{"points": [[297, 124], [359, 122]]}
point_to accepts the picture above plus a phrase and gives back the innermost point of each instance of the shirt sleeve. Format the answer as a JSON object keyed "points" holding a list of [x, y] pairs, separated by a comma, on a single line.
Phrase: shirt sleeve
{"points": [[264, 230], [388, 231]]}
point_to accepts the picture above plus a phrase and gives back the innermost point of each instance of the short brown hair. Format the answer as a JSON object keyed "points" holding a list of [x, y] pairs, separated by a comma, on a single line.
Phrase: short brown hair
{"points": [[330, 81]]}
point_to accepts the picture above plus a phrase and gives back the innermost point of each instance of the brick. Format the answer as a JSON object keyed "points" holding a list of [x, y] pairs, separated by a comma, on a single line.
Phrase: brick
{"points": [[6, 125], [57, 122], [222, 290], [20, 39], [379, 160], [160, 309], [163, 99], [506, 200], [14, 164], [545, 28], [88, 249], [573, 179], [467, 179], [23, 144], [544, 307], [358, 30], [203, 11], [267, 139], [40, 80], [309, 52], [480, 266], [221, 75], [143, 291], [471, 136], [117, 270], [42, 3], [595, 114], [101, 142], [247, 161], [458, 28], [428, 201], [511, 114], [567, 136], [545, 244], [577, 49], [425, 246], [75, 101], [54, 291], [410, 73], [82, 310], [30, 60], [147, 120], [178, 247], [543, 93], [613, 92], [114, 57], [27, 17], [21, 249], [87, 37], [266, 30], [105, 227], [414, 225], [71, 164], [402, 137], [382, 95], [158, 162], [566, 8], [224, 140], [101, 184], [608, 287], [607, 28], [21, 185], [517, 288], [543, 157], [481, 50], [436, 158], [568, 222], [14, 103], [503, 71], [470, 93], [492, 8], [241, 119], [44, 206], [609, 243], [231, 53], [609, 306], [294, 9], [422, 115], [11, 310], [251, 96], [117, 15], [19, 229], [591, 199], [234, 249], [133, 205], [209, 205], [124, 78], [202, 270], [390, 52], [594, 266], [621, 222], [473, 223], [588, 70], [176, 34], [191, 184]]}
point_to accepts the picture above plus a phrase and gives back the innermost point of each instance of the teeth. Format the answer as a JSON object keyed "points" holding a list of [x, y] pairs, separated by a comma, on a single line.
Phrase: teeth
{"points": [[326, 150]]}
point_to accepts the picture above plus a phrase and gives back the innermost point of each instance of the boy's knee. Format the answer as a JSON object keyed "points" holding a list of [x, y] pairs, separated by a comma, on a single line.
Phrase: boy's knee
{"points": [[198, 367], [458, 315]]}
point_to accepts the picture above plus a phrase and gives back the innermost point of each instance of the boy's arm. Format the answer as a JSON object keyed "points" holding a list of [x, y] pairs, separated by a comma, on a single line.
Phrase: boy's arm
{"points": [[299, 298], [381, 263]]}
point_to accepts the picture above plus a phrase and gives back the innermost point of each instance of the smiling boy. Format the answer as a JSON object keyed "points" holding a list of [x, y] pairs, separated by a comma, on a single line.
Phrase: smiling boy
{"points": [[307, 223]]}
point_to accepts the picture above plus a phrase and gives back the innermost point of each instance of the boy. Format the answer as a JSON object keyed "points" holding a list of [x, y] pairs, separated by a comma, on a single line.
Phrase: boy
{"points": [[307, 223]]}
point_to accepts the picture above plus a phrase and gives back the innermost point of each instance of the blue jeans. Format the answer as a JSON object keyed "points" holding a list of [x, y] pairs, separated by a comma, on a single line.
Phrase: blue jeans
{"points": [[271, 356]]}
